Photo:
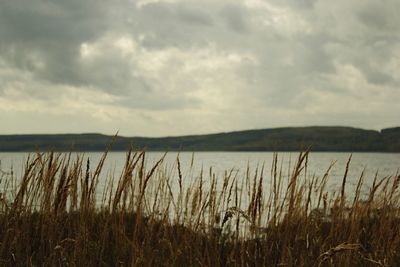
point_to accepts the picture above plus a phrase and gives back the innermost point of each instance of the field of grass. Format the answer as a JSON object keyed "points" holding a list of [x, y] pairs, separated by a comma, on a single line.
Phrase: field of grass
{"points": [[61, 213]]}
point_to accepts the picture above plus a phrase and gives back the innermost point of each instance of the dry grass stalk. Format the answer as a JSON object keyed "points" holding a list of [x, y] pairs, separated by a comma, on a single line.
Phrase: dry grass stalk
{"points": [[157, 216]]}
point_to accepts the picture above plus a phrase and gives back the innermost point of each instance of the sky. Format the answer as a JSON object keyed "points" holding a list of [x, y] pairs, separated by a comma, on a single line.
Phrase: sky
{"points": [[179, 67]]}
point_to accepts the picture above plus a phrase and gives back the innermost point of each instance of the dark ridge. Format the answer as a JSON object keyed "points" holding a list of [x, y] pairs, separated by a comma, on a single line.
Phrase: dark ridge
{"points": [[327, 138]]}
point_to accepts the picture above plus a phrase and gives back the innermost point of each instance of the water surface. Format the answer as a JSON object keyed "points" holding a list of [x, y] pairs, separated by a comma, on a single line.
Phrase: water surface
{"points": [[386, 164]]}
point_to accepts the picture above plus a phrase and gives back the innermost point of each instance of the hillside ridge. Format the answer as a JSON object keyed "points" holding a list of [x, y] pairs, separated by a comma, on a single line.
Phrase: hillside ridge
{"points": [[320, 138]]}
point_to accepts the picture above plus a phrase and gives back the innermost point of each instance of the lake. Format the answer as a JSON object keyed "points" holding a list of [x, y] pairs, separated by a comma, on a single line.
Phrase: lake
{"points": [[386, 164]]}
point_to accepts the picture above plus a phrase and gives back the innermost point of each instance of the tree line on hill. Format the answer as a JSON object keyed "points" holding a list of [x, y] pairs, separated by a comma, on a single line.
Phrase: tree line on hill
{"points": [[343, 139]]}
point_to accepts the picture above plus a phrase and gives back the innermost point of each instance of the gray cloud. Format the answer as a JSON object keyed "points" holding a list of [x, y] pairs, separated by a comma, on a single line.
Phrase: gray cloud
{"points": [[207, 66], [382, 17], [236, 18]]}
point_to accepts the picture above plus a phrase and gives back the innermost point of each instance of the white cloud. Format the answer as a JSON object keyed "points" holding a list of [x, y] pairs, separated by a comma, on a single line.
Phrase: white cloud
{"points": [[142, 3], [161, 67], [207, 74], [283, 19]]}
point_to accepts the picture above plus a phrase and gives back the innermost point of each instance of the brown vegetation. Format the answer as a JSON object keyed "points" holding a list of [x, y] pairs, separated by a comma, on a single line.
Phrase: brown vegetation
{"points": [[56, 214]]}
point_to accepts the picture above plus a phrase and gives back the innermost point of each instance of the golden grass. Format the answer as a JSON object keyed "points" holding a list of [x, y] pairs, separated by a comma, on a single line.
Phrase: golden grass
{"points": [[57, 215]]}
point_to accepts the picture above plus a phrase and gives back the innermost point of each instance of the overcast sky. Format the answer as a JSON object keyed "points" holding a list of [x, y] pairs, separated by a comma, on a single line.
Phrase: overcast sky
{"points": [[174, 67]]}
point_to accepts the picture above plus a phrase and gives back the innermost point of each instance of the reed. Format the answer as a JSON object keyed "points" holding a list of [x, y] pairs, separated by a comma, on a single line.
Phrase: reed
{"points": [[56, 214]]}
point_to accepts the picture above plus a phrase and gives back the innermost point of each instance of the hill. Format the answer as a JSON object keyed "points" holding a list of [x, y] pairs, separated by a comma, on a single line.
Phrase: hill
{"points": [[346, 139]]}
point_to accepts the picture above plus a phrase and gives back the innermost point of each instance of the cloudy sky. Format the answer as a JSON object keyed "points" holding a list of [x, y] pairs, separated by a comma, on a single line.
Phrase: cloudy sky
{"points": [[174, 67]]}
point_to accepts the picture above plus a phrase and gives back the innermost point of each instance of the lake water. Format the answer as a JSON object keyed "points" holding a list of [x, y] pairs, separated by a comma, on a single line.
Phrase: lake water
{"points": [[386, 164], [217, 164]]}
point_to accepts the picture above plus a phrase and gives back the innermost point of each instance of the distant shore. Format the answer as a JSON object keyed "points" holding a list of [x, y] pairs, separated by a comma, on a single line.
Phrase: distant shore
{"points": [[318, 138]]}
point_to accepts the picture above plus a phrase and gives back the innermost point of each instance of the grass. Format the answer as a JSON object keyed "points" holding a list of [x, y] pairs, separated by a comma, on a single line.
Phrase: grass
{"points": [[61, 213]]}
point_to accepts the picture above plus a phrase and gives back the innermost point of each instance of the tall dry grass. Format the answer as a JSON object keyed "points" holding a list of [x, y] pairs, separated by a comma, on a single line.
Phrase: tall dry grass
{"points": [[56, 214]]}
